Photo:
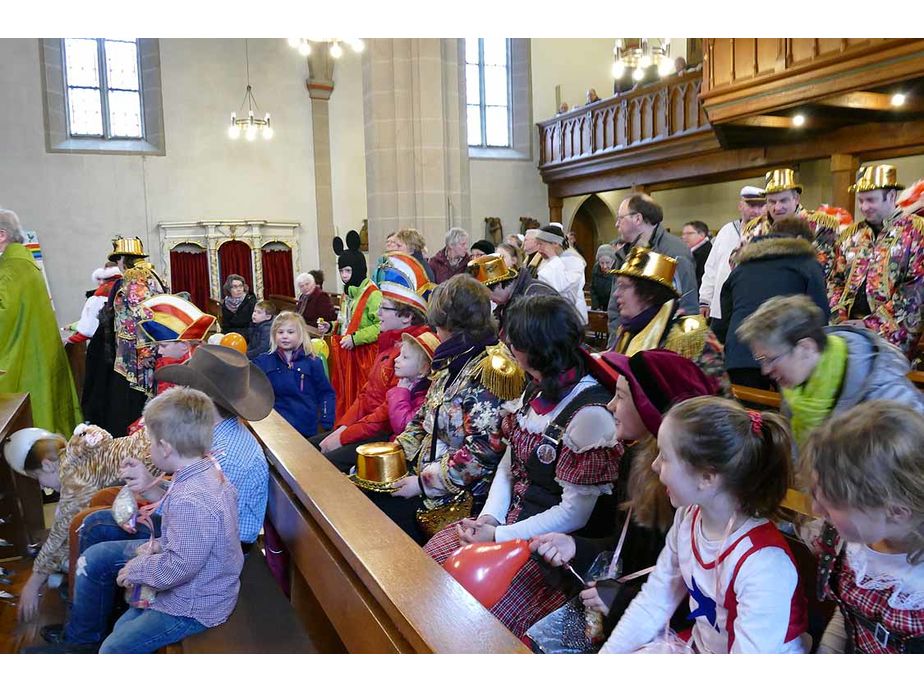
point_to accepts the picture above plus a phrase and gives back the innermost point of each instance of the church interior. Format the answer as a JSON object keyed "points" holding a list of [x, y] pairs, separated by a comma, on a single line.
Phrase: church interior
{"points": [[212, 160]]}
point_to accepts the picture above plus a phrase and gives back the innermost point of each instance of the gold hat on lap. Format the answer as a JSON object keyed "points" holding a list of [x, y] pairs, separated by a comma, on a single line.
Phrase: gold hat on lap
{"points": [[881, 177], [643, 263], [379, 466], [781, 180]]}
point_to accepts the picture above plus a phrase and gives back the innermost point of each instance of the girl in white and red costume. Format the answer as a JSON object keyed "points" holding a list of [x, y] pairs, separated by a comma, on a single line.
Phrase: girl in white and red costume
{"points": [[726, 469]]}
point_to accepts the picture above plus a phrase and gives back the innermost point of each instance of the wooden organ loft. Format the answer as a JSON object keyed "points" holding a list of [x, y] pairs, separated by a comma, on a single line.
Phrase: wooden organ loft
{"points": [[731, 118]]}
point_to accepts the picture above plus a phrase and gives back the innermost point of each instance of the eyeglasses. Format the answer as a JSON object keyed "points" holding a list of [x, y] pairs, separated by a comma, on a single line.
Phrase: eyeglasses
{"points": [[620, 217], [770, 362]]}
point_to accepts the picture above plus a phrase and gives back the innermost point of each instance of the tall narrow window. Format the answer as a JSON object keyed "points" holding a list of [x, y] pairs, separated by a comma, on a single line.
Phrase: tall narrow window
{"points": [[487, 88], [103, 79]]}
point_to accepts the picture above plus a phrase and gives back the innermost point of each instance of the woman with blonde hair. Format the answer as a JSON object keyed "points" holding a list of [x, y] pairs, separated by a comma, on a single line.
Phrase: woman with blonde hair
{"points": [[303, 393]]}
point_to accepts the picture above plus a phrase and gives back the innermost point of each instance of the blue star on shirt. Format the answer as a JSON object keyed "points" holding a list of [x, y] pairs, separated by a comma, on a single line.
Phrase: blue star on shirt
{"points": [[705, 606]]}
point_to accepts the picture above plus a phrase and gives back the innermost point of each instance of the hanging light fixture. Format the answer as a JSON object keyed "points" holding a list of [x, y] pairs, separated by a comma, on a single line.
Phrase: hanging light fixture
{"points": [[249, 126], [303, 45], [639, 54]]}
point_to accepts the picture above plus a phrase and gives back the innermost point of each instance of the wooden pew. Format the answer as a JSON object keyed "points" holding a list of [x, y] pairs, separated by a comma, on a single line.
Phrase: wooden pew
{"points": [[756, 398], [20, 496], [359, 582], [597, 329]]}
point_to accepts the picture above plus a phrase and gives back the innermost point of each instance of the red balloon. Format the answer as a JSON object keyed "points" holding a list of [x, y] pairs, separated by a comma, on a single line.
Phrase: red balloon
{"points": [[486, 570]]}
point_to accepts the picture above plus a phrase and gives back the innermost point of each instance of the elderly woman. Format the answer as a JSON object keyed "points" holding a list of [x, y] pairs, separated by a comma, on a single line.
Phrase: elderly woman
{"points": [[313, 304], [410, 242], [781, 263], [601, 280], [648, 319], [237, 306], [823, 370], [453, 444], [544, 487], [452, 259]]}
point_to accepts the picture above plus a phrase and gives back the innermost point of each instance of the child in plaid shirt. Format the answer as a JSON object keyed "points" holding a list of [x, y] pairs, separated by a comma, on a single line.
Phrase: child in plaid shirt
{"points": [[194, 567], [868, 485]]}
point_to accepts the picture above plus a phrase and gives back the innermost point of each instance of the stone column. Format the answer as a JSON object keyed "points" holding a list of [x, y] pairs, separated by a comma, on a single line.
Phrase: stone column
{"points": [[843, 173], [416, 151], [320, 86]]}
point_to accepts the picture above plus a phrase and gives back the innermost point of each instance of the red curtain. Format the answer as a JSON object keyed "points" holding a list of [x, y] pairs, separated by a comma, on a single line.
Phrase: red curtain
{"points": [[234, 257], [277, 272], [189, 271]]}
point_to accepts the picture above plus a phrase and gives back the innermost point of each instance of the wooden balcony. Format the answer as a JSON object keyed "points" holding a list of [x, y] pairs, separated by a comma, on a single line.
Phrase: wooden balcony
{"points": [[649, 124], [733, 118]]}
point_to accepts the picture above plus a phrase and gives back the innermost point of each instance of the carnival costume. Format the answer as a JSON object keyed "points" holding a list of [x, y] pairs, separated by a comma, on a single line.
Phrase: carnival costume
{"points": [[358, 318], [659, 327], [824, 227], [564, 455], [878, 276]]}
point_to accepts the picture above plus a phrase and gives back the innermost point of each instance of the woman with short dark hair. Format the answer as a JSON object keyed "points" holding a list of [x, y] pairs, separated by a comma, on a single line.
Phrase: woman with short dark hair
{"points": [[237, 306], [453, 444], [564, 453]]}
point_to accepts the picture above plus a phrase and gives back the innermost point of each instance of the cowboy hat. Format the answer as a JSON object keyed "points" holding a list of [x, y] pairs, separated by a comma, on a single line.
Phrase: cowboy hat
{"points": [[228, 377]]}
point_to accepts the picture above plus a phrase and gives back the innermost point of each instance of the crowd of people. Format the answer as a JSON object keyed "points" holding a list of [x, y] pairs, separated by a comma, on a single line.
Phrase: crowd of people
{"points": [[634, 469]]}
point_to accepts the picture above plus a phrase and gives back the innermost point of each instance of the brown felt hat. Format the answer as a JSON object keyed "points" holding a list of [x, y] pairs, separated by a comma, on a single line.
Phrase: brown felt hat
{"points": [[228, 377]]}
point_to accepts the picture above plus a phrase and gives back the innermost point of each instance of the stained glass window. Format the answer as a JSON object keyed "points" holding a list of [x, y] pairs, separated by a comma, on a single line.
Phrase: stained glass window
{"points": [[103, 88], [487, 92]]}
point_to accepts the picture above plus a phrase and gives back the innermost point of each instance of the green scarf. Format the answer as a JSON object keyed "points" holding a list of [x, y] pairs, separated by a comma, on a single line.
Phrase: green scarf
{"points": [[812, 402]]}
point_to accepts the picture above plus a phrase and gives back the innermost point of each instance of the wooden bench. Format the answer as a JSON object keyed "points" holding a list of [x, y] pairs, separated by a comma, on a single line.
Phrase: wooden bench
{"points": [[597, 330], [357, 579]]}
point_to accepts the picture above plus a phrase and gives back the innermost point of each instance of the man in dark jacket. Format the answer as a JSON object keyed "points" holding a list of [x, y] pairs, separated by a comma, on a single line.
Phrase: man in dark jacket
{"points": [[779, 264], [506, 284], [696, 235], [639, 224]]}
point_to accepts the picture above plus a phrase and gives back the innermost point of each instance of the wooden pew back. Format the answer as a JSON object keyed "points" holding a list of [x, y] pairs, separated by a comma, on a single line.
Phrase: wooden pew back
{"points": [[377, 589]]}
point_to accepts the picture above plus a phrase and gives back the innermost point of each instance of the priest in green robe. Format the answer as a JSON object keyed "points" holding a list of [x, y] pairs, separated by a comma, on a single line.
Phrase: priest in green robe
{"points": [[32, 357]]}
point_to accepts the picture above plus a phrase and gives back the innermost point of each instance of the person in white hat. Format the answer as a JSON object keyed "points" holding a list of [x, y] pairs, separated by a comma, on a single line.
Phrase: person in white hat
{"points": [[752, 203]]}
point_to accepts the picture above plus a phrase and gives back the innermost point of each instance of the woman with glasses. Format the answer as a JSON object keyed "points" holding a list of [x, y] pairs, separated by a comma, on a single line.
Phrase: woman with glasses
{"points": [[823, 370], [781, 263]]}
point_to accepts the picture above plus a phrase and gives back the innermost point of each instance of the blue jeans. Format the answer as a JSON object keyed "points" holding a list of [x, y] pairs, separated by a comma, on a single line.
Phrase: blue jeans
{"points": [[100, 526], [95, 590], [145, 630]]}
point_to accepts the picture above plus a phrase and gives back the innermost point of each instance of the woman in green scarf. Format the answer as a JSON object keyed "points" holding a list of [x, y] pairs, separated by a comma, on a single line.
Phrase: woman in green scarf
{"points": [[821, 370]]}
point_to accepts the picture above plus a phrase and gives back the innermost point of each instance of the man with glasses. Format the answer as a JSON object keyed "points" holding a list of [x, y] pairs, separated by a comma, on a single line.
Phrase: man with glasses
{"points": [[639, 224]]}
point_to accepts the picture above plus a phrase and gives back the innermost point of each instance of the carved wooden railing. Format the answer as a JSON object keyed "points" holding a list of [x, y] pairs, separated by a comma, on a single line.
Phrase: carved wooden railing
{"points": [[668, 109]]}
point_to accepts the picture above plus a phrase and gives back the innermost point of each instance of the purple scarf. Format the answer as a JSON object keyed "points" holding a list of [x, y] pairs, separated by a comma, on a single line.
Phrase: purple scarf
{"points": [[233, 304], [456, 351], [636, 324]]}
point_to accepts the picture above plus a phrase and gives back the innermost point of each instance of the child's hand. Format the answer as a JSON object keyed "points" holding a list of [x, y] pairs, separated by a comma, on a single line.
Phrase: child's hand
{"points": [[122, 577], [136, 475], [347, 342], [592, 601], [407, 383], [477, 531], [332, 441], [323, 326], [555, 548], [408, 487]]}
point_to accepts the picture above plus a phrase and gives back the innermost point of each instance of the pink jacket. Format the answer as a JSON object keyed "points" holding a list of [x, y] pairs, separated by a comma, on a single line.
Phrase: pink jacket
{"points": [[404, 403]]}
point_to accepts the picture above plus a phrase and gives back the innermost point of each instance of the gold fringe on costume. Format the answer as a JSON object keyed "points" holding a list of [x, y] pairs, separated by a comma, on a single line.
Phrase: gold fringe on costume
{"points": [[688, 336], [823, 219], [500, 373]]}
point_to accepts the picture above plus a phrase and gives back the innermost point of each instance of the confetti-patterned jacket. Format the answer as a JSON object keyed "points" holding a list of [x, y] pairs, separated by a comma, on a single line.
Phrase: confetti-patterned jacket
{"points": [[824, 228], [892, 266], [469, 445]]}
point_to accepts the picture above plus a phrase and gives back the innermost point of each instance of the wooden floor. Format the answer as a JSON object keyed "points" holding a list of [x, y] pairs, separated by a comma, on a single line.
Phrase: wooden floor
{"points": [[14, 635]]}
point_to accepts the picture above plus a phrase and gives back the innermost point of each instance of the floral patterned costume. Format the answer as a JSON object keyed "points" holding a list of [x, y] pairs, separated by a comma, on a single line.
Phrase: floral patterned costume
{"points": [[824, 228], [134, 354], [891, 265]]}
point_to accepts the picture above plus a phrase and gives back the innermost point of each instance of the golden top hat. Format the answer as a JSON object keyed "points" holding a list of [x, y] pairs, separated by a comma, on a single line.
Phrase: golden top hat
{"points": [[126, 246], [644, 263], [881, 177], [781, 180], [379, 466], [490, 269]]}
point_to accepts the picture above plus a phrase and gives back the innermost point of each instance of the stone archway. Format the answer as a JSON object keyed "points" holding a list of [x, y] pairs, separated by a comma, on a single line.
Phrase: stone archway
{"points": [[593, 223]]}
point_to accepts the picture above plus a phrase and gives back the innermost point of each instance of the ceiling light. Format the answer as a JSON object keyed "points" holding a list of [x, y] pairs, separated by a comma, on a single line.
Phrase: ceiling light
{"points": [[798, 120], [898, 99]]}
